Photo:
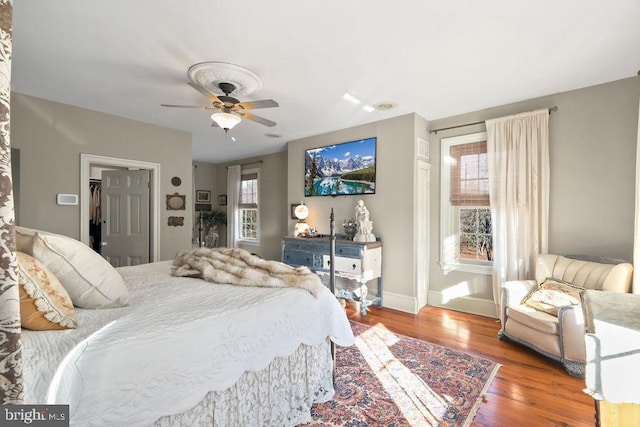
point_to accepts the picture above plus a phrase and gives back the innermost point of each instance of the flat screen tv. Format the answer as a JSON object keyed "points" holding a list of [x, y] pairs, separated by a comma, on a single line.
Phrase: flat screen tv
{"points": [[341, 169]]}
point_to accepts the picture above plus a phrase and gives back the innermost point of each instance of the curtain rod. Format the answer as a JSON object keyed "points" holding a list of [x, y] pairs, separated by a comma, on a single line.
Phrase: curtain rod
{"points": [[551, 110], [250, 163]]}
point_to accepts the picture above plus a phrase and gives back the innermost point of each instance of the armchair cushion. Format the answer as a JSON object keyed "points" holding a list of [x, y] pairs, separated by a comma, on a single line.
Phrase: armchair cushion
{"points": [[552, 294], [533, 318]]}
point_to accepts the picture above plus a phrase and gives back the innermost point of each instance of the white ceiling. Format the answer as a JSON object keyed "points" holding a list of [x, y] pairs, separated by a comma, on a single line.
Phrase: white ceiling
{"points": [[433, 57]]}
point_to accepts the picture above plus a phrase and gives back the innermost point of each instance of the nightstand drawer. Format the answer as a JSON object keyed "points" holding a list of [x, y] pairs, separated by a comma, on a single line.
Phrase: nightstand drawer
{"points": [[344, 265], [294, 257], [351, 251], [310, 245]]}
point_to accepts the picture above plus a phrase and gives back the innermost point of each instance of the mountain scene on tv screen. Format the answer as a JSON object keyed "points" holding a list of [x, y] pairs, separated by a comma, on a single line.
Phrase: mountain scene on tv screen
{"points": [[348, 168]]}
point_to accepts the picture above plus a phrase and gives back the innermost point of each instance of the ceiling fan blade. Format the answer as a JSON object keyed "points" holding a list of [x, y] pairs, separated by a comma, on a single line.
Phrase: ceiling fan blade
{"points": [[204, 92], [252, 105], [186, 106], [258, 119]]}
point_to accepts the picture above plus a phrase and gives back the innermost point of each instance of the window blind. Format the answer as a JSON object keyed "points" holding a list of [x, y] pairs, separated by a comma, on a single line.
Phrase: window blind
{"points": [[248, 191], [469, 174]]}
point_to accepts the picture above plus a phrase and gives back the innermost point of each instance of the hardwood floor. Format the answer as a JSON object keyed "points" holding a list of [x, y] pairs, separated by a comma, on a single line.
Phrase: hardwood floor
{"points": [[529, 389]]}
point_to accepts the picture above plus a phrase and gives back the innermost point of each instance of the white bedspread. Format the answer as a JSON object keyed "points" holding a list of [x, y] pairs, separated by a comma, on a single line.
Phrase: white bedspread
{"points": [[178, 339]]}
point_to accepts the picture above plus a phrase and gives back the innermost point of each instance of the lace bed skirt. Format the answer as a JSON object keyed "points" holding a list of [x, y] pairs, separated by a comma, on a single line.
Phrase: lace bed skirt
{"points": [[279, 395]]}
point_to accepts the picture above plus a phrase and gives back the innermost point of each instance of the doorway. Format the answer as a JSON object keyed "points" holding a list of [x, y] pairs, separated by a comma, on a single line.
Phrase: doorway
{"points": [[87, 160]]}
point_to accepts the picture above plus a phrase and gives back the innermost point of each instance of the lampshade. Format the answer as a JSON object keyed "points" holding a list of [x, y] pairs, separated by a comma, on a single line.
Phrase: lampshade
{"points": [[301, 212], [301, 229], [225, 120]]}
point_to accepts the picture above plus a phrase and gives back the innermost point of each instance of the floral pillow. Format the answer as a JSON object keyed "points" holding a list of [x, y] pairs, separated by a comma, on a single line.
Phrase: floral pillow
{"points": [[44, 303], [552, 294]]}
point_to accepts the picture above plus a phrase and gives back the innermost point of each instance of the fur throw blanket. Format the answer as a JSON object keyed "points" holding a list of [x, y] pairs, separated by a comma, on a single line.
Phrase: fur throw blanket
{"points": [[239, 267]]}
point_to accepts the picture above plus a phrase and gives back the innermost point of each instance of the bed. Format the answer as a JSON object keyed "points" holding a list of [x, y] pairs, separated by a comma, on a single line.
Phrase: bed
{"points": [[187, 352]]}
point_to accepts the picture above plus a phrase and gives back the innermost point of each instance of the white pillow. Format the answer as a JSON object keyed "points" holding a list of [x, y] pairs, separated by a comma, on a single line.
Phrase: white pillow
{"points": [[88, 278], [24, 239]]}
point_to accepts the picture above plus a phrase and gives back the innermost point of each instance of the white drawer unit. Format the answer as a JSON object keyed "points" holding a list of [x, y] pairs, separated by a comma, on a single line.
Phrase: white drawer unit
{"points": [[344, 265], [358, 261]]}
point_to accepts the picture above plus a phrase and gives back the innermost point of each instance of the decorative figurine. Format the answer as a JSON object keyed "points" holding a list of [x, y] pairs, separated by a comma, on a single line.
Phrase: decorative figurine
{"points": [[365, 227]]}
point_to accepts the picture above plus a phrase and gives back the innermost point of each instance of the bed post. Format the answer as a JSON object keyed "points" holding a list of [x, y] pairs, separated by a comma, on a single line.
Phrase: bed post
{"points": [[332, 276], [332, 252]]}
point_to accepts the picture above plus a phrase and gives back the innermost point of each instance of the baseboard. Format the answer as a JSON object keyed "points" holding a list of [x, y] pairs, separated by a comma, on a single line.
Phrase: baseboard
{"points": [[399, 302], [472, 305]]}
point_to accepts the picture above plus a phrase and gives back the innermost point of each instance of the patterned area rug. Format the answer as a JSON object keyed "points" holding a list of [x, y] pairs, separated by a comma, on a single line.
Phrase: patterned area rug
{"points": [[387, 379]]}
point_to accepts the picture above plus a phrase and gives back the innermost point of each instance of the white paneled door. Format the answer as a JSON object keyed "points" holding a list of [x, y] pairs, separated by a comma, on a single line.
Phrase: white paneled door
{"points": [[125, 217]]}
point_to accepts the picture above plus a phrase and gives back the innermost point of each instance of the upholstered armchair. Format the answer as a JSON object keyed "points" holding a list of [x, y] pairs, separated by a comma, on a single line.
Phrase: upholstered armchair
{"points": [[562, 337]]}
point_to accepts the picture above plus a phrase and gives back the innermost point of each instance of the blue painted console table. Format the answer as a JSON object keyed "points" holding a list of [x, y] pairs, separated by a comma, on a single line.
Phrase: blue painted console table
{"points": [[356, 261]]}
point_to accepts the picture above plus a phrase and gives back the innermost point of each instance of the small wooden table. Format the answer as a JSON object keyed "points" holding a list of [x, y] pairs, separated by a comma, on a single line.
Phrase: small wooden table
{"points": [[612, 343]]}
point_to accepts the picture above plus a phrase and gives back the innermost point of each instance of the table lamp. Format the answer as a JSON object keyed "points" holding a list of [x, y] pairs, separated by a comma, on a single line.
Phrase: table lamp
{"points": [[301, 228]]}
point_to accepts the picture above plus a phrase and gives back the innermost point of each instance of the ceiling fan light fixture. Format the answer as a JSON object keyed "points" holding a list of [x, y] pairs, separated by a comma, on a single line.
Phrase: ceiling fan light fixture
{"points": [[225, 120]]}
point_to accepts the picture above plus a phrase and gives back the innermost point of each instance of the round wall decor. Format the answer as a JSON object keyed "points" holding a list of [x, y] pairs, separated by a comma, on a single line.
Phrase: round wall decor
{"points": [[175, 202]]}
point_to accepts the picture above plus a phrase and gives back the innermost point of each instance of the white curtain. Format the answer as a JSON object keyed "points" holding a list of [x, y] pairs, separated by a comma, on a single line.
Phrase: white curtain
{"points": [[636, 234], [518, 154], [233, 193]]}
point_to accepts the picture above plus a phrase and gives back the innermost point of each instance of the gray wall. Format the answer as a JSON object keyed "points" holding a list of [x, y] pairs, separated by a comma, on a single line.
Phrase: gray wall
{"points": [[593, 143], [592, 158], [51, 136], [391, 207], [274, 209]]}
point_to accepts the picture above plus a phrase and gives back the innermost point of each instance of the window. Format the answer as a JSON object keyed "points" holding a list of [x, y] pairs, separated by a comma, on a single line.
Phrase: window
{"points": [[465, 212], [475, 234], [248, 207]]}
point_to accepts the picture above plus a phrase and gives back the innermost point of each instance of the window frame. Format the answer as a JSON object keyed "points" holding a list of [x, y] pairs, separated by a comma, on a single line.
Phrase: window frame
{"points": [[449, 224], [241, 207]]}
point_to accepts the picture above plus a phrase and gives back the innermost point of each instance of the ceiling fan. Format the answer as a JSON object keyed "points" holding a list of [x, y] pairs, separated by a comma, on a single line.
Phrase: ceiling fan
{"points": [[231, 111]]}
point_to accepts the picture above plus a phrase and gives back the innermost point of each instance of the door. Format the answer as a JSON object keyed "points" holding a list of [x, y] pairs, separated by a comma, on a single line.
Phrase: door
{"points": [[125, 217]]}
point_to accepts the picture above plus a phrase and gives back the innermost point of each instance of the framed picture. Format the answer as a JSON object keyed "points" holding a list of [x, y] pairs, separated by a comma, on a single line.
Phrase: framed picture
{"points": [[175, 221], [203, 196], [293, 211], [222, 200], [341, 169], [176, 202]]}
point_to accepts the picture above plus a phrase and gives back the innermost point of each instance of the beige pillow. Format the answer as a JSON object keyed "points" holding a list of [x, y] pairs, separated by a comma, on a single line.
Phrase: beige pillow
{"points": [[552, 294], [44, 303], [88, 278], [24, 239]]}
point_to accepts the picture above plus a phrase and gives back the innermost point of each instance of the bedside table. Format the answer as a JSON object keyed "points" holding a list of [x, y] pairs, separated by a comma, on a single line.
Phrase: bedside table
{"points": [[358, 261]]}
